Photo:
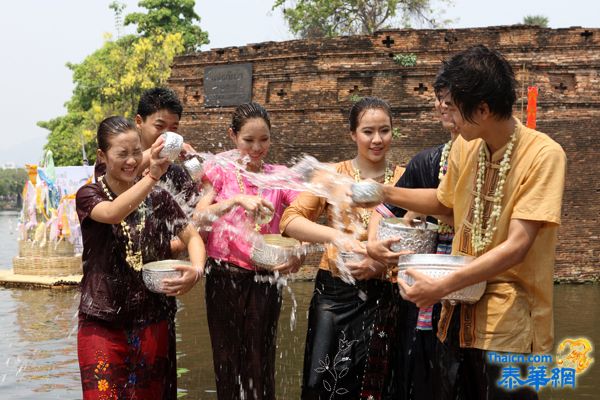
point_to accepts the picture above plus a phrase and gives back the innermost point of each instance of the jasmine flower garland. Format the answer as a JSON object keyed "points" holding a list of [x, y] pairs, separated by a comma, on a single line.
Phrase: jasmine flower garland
{"points": [[480, 237], [444, 159], [442, 227]]}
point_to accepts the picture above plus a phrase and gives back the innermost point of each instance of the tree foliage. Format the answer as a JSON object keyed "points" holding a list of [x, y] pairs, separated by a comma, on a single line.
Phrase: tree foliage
{"points": [[109, 82], [328, 18], [170, 16], [538, 20], [12, 181], [11, 185], [67, 134]]}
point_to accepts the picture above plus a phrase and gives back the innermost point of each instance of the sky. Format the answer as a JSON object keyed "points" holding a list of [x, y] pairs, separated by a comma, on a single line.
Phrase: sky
{"points": [[38, 37]]}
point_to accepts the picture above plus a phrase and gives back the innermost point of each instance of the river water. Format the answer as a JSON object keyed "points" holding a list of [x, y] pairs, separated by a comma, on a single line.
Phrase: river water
{"points": [[38, 358]]}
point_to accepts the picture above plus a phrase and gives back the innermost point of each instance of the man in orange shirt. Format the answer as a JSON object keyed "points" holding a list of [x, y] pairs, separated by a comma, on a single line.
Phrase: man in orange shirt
{"points": [[504, 189]]}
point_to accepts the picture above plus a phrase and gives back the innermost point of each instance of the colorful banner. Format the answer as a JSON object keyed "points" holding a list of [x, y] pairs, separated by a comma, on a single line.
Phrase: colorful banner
{"points": [[49, 204]]}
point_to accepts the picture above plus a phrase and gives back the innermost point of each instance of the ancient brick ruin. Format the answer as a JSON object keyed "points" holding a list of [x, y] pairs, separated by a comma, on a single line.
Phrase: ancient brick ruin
{"points": [[308, 87]]}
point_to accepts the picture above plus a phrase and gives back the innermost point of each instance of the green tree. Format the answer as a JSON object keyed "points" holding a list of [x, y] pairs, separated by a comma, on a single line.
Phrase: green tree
{"points": [[111, 79], [118, 9], [67, 134], [538, 20], [109, 82], [11, 185], [116, 75], [328, 18], [170, 16], [12, 181]]}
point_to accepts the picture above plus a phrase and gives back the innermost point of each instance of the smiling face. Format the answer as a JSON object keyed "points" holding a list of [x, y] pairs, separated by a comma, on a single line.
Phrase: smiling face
{"points": [[155, 124], [123, 157], [373, 134], [253, 139], [472, 129], [441, 107]]}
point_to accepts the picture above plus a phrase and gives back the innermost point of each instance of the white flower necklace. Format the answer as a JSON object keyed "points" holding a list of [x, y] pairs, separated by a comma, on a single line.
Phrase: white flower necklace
{"points": [[444, 159], [133, 258], [442, 227], [481, 238]]}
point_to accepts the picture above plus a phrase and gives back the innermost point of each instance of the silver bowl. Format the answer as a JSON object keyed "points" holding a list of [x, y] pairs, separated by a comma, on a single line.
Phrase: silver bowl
{"points": [[193, 166], [154, 272], [420, 238], [366, 192], [273, 250], [351, 257], [172, 145], [438, 266]]}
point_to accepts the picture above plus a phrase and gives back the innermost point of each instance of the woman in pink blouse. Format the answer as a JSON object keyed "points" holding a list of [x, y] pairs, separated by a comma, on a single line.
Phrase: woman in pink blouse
{"points": [[242, 310]]}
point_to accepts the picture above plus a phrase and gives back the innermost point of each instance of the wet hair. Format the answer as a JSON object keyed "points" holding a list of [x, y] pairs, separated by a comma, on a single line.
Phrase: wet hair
{"points": [[110, 127], [364, 104], [478, 75], [247, 111], [440, 83], [156, 99]]}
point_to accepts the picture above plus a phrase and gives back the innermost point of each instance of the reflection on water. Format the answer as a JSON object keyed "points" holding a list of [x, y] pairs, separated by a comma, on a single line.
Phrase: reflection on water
{"points": [[39, 338], [576, 315], [37, 346], [196, 353], [39, 356]]}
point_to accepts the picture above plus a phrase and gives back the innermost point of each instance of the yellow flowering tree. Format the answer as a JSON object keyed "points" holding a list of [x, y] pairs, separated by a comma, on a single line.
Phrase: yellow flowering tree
{"points": [[169, 16], [109, 82], [111, 79]]}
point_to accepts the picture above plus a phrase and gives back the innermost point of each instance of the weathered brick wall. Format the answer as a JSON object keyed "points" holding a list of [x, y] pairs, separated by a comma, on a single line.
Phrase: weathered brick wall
{"points": [[308, 86]]}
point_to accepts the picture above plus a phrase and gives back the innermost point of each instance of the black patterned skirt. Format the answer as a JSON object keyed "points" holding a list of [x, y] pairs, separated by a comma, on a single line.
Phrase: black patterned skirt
{"points": [[352, 344]]}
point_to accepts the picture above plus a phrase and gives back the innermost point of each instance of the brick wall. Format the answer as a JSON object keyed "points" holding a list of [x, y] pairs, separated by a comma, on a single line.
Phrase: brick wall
{"points": [[308, 86]]}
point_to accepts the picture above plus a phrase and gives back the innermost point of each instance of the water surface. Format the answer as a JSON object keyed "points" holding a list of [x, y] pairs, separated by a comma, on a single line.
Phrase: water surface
{"points": [[38, 356]]}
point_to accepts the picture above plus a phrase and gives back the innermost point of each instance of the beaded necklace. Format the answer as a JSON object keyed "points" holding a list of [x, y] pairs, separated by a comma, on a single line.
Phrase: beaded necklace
{"points": [[365, 214], [480, 237], [240, 181], [133, 258]]}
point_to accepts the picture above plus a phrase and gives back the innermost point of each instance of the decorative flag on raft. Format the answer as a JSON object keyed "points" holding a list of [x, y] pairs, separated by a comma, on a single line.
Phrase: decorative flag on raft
{"points": [[532, 95]]}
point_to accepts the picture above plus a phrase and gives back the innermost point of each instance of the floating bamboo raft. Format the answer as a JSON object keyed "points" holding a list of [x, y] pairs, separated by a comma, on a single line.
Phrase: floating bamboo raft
{"points": [[51, 264]]}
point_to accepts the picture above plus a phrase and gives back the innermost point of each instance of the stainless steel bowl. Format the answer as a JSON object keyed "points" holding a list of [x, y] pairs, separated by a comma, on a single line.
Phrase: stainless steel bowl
{"points": [[351, 257], [273, 250], [420, 238], [438, 266], [194, 168], [153, 273], [172, 145], [366, 192]]}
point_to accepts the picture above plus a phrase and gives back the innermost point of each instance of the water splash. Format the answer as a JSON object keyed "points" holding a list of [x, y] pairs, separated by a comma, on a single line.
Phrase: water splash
{"points": [[282, 282], [306, 174]]}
